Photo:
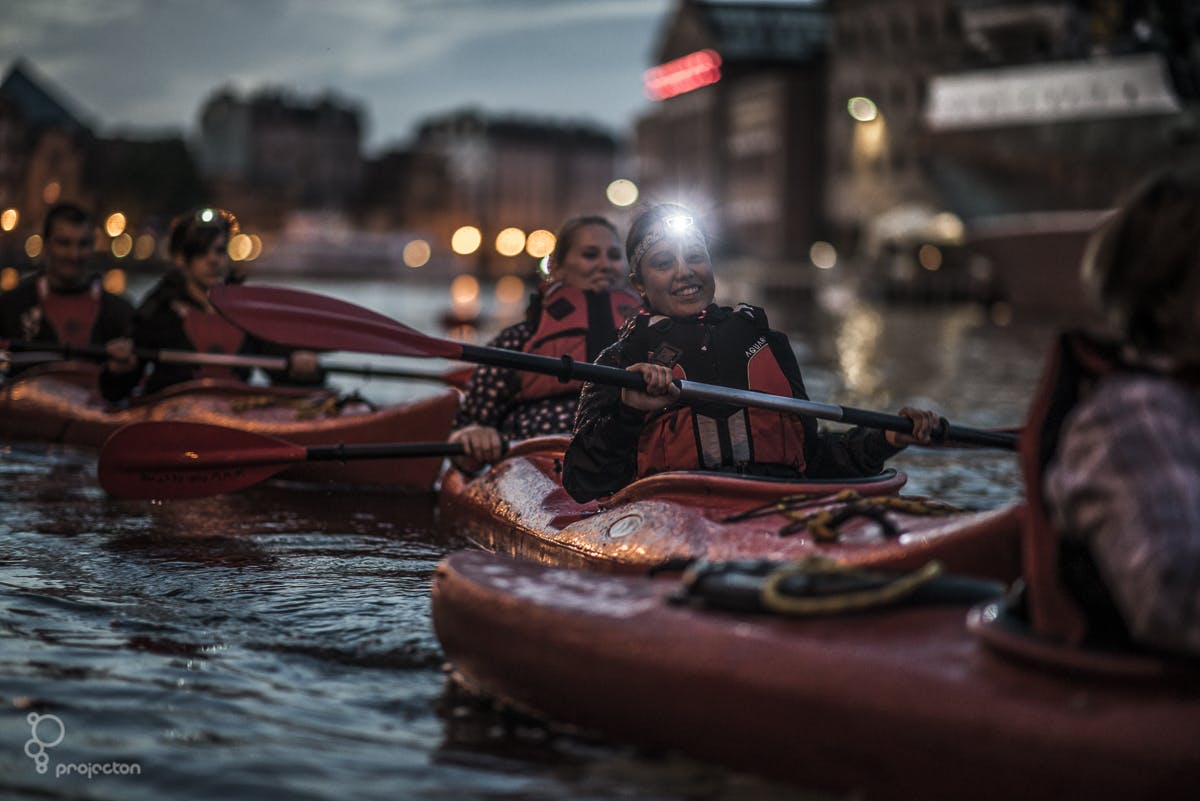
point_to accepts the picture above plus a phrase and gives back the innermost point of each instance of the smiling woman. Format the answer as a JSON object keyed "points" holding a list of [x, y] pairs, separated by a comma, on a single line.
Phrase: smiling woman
{"points": [[574, 314], [623, 434]]}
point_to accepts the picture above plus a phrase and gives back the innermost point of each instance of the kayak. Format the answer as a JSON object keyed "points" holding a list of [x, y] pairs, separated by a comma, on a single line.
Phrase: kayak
{"points": [[60, 404], [520, 508], [931, 701]]}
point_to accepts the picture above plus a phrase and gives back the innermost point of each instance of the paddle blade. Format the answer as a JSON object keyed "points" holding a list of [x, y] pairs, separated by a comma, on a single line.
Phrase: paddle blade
{"points": [[301, 319], [163, 459]]}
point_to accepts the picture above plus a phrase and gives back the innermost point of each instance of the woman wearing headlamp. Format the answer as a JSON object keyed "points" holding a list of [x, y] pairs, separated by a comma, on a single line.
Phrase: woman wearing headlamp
{"points": [[176, 314], [623, 434]]}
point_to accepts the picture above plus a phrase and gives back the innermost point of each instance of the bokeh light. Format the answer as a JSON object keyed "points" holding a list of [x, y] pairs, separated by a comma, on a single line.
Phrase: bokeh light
{"points": [[510, 242], [823, 255], [464, 297], [256, 247], [930, 257], [9, 278], [540, 243], [9, 219], [416, 253], [143, 247], [510, 290], [240, 247], [862, 109], [122, 245], [948, 227], [51, 192], [115, 282], [466, 240], [622, 192], [115, 224], [33, 246]]}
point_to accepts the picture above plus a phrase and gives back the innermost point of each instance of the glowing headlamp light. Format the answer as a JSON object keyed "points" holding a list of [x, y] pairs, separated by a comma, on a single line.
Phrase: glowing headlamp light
{"points": [[677, 223]]}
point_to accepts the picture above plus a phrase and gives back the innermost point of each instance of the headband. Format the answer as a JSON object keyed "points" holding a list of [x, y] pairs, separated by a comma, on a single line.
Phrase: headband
{"points": [[680, 225], [654, 235]]}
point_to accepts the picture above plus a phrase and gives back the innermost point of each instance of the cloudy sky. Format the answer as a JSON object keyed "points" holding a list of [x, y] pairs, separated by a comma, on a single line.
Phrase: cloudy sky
{"points": [[150, 64]]}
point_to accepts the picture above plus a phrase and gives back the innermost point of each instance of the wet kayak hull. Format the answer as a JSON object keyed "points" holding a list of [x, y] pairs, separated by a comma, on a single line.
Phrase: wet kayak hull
{"points": [[60, 405], [898, 703], [519, 508]]}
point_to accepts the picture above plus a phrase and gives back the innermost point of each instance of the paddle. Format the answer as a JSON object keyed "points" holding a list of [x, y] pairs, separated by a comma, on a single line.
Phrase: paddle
{"points": [[34, 352], [307, 320], [169, 459]]}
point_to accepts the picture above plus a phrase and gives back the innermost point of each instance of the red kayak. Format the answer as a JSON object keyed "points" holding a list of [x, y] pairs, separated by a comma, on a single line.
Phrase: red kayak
{"points": [[520, 508], [933, 701], [59, 403]]}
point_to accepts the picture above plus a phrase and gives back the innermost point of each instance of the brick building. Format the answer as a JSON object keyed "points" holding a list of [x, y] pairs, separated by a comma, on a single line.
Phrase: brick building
{"points": [[738, 128]]}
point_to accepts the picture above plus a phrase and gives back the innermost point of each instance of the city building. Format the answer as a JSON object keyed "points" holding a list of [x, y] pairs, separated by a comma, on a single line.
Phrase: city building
{"points": [[468, 169], [271, 152], [738, 128], [44, 141], [948, 149], [1054, 110]]}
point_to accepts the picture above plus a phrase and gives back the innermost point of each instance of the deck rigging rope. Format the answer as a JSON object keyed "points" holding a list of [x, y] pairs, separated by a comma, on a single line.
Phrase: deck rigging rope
{"points": [[823, 524]]}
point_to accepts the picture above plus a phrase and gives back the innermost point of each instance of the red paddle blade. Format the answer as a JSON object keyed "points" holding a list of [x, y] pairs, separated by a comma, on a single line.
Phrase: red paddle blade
{"points": [[163, 459], [307, 320]]}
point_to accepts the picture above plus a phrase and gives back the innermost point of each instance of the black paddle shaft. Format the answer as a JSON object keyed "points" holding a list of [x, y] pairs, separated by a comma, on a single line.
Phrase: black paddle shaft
{"points": [[394, 450], [567, 369]]}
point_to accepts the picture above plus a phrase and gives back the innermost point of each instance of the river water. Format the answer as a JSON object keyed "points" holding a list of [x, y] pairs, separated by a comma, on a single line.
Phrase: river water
{"points": [[276, 643]]}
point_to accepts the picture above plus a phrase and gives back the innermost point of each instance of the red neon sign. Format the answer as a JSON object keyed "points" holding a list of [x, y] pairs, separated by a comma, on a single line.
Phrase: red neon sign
{"points": [[682, 74]]}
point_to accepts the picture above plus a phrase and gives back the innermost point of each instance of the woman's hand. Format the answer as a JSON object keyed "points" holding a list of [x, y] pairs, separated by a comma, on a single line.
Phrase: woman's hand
{"points": [[660, 391], [303, 365], [120, 355], [925, 422], [482, 445]]}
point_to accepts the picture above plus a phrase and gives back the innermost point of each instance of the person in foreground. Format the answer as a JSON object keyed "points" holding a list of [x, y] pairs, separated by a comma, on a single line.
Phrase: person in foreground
{"points": [[1114, 461], [63, 302], [623, 434], [176, 313], [577, 314]]}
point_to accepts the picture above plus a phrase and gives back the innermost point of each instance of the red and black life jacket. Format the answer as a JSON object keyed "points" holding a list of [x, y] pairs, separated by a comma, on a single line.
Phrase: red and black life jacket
{"points": [[577, 323], [1065, 597], [209, 332], [71, 315], [728, 347]]}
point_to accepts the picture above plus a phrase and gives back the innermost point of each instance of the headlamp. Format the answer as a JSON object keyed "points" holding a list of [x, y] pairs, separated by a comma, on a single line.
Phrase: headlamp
{"points": [[678, 222]]}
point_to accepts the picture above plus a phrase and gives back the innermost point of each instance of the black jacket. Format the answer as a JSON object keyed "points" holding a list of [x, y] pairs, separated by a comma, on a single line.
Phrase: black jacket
{"points": [[157, 326], [602, 457]]}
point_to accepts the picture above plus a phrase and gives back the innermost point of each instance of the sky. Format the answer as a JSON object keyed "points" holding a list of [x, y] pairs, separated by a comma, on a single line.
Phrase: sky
{"points": [[147, 66]]}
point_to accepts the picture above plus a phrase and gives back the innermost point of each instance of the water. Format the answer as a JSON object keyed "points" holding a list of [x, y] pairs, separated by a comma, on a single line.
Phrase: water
{"points": [[276, 644]]}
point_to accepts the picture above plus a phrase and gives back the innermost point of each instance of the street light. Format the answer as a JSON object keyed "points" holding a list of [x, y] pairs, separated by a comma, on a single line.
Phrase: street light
{"points": [[510, 241], [466, 240], [622, 192]]}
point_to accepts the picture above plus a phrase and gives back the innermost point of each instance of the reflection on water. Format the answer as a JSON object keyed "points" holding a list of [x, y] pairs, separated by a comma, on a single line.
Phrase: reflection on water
{"points": [[276, 643], [857, 339]]}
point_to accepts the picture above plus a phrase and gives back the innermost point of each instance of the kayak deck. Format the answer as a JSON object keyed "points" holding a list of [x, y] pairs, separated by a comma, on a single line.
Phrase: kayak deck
{"points": [[60, 405], [520, 508], [902, 702]]}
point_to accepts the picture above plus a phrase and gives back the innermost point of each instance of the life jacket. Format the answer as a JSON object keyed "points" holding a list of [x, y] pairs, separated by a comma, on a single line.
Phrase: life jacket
{"points": [[1065, 597], [727, 347], [577, 323], [210, 333], [72, 315]]}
